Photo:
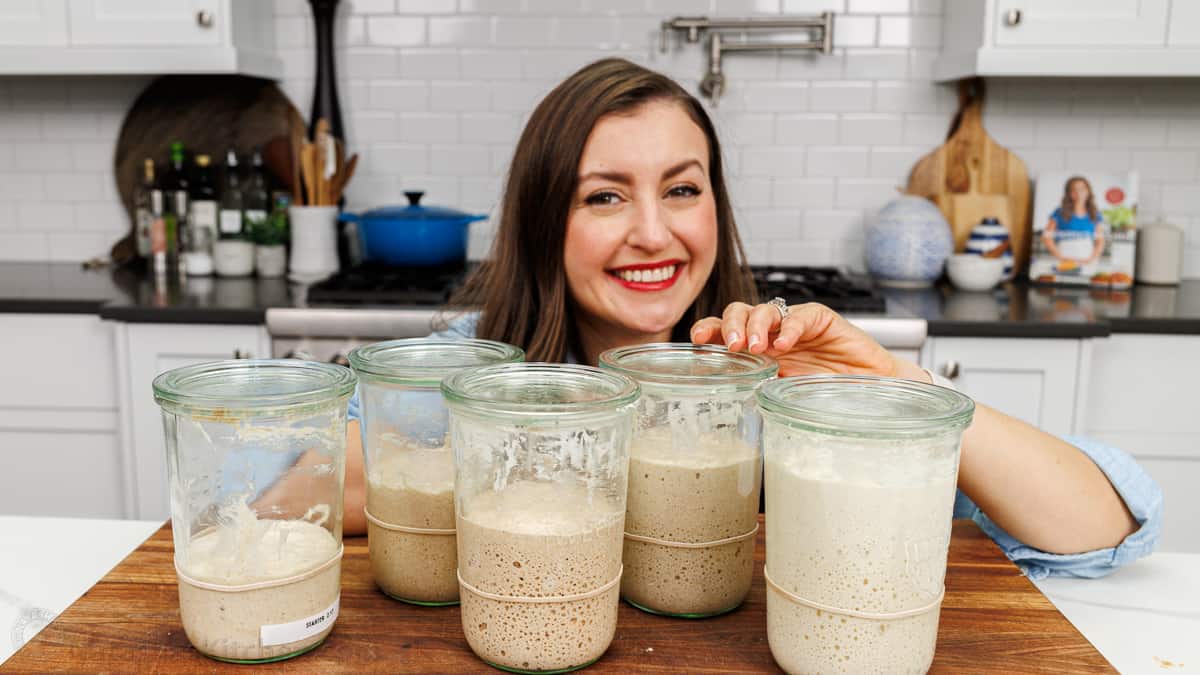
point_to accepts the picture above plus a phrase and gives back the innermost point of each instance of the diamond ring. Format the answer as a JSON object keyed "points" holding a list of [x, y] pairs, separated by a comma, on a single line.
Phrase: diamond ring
{"points": [[781, 305]]}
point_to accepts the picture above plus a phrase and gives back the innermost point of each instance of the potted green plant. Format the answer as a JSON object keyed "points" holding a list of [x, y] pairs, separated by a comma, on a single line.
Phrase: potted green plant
{"points": [[270, 237]]}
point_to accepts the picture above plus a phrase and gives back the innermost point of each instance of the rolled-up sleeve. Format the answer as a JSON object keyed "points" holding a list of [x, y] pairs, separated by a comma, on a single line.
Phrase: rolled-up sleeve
{"points": [[1141, 494]]}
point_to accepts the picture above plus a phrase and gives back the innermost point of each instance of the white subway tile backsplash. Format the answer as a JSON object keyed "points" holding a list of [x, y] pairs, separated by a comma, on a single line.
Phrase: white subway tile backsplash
{"points": [[399, 95], [924, 130], [855, 31], [522, 32], [1166, 165], [466, 31], [45, 216], [803, 193], [876, 64], [398, 159], [587, 32], [1183, 132], [775, 162], [489, 128], [396, 31], [864, 193], [491, 65], [491, 6], [426, 6], [459, 96], [435, 94], [838, 162], [841, 96], [878, 6], [428, 127], [894, 162], [903, 31], [871, 129], [1067, 132], [25, 246], [814, 6], [42, 156], [774, 96], [1133, 132], [430, 64], [809, 129], [1089, 159], [361, 63], [372, 6]]}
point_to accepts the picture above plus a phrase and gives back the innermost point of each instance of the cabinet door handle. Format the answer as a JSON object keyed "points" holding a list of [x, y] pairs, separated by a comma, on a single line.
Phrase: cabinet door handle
{"points": [[204, 18], [239, 354], [1012, 17], [950, 370]]}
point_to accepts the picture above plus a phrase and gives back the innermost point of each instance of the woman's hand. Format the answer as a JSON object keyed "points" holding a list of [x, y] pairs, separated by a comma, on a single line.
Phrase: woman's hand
{"points": [[811, 340]]}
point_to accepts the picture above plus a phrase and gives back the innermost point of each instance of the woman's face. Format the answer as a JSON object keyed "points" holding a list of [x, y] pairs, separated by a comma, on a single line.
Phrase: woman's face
{"points": [[1079, 191], [642, 228]]}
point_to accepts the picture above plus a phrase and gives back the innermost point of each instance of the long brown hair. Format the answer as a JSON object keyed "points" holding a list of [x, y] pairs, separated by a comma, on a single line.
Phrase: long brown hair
{"points": [[522, 287], [1068, 204]]}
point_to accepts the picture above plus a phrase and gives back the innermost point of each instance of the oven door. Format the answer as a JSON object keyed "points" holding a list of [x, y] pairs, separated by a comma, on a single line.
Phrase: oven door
{"points": [[328, 334]]}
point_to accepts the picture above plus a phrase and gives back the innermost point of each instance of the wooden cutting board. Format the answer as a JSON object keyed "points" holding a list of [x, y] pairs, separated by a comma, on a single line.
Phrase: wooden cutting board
{"points": [[944, 177], [993, 620]]}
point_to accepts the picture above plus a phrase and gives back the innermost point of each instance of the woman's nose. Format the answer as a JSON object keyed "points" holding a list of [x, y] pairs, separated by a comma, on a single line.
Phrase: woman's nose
{"points": [[651, 230]]}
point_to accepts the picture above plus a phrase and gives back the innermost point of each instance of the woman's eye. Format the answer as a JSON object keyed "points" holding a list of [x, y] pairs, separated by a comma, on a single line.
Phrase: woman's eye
{"points": [[683, 191], [603, 199]]}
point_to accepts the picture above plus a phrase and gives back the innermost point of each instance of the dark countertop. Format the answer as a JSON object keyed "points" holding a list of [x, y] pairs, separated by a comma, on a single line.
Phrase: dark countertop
{"points": [[1012, 310], [136, 297]]}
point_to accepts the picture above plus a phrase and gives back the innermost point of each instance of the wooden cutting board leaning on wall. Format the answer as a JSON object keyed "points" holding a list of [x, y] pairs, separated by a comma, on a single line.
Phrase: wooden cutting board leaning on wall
{"points": [[971, 176]]}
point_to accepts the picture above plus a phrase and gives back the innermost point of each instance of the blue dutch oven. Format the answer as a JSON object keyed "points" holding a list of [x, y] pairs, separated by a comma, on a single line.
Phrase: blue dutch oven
{"points": [[413, 235]]}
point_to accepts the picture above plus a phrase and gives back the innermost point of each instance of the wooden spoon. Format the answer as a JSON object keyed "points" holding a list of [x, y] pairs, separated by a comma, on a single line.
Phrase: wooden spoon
{"points": [[343, 177]]}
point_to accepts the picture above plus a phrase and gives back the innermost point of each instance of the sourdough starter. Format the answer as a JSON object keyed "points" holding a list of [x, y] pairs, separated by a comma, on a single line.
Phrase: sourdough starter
{"points": [[540, 540], [413, 487], [855, 545], [695, 494], [244, 550]]}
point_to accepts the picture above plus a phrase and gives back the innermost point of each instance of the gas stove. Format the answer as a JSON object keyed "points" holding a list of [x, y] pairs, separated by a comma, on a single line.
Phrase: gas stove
{"points": [[377, 284], [839, 290]]}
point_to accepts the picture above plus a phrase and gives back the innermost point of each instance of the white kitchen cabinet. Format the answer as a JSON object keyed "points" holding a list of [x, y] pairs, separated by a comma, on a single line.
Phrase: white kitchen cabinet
{"points": [[1143, 401], [1033, 379], [33, 23], [104, 37], [1101, 38], [144, 350], [59, 420]]}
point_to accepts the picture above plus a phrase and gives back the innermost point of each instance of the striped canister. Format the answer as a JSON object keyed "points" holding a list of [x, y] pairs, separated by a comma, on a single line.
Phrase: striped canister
{"points": [[987, 235]]}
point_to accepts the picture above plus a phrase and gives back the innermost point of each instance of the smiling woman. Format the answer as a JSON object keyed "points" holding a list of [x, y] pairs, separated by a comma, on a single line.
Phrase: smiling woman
{"points": [[650, 245]]}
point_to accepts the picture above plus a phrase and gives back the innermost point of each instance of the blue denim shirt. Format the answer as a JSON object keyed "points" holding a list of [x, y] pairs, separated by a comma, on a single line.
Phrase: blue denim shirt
{"points": [[1141, 494]]}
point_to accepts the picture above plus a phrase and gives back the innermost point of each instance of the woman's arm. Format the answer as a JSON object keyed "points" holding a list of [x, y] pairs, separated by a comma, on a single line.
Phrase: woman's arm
{"points": [[1048, 239], [1098, 248]]}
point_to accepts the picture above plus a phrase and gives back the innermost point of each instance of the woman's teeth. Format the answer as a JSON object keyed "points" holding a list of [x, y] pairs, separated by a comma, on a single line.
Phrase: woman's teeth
{"points": [[648, 276]]}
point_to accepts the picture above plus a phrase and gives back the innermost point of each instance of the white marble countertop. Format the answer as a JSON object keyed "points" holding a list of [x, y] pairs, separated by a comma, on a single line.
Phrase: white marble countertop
{"points": [[1144, 618]]}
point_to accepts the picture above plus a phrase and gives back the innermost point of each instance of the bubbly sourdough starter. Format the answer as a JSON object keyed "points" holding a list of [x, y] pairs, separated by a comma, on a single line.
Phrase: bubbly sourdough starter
{"points": [[413, 487], [859, 546], [227, 624], [540, 540], [698, 494]]}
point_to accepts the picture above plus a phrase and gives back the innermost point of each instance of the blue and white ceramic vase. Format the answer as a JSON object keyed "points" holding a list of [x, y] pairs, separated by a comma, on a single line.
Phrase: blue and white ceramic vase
{"points": [[987, 235], [908, 243]]}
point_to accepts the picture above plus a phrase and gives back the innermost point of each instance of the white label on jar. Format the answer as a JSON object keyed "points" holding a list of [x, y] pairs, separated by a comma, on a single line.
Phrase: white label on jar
{"points": [[231, 221], [294, 631], [204, 214]]}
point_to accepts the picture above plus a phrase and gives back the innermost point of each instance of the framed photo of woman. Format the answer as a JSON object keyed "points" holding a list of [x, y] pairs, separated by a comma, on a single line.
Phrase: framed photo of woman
{"points": [[1084, 229]]}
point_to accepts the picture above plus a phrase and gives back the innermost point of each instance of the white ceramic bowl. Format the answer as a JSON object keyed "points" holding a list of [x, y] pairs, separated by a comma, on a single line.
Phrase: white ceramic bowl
{"points": [[973, 272]]}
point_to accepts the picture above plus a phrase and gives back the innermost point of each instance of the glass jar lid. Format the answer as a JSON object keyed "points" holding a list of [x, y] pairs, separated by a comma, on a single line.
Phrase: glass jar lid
{"points": [[682, 363], [539, 390], [249, 387], [427, 361], [866, 406]]}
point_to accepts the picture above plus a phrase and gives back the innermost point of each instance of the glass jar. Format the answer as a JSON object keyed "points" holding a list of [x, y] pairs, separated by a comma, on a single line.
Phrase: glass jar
{"points": [[256, 461], [860, 487], [695, 469], [408, 461], [542, 456]]}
